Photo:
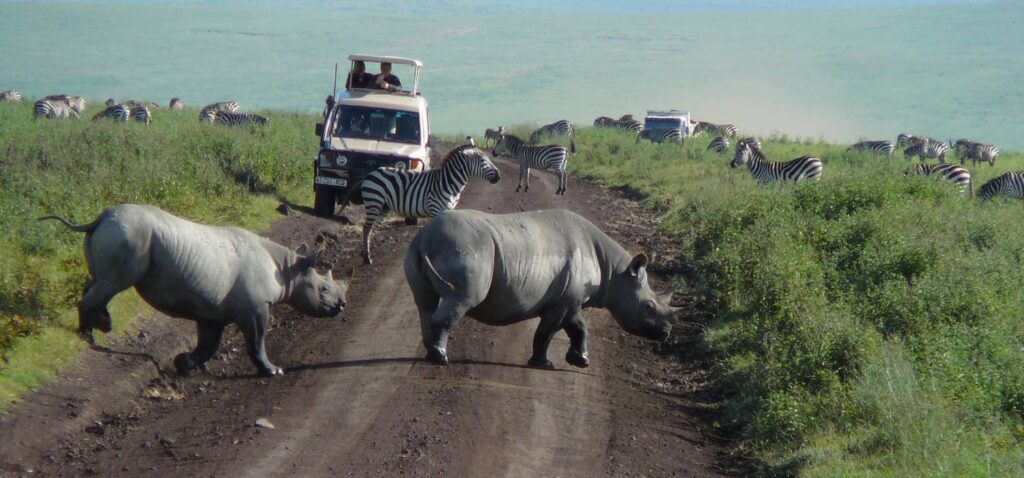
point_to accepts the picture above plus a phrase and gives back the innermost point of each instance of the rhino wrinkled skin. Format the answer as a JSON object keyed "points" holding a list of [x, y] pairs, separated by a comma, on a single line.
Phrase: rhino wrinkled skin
{"points": [[503, 269], [211, 275]]}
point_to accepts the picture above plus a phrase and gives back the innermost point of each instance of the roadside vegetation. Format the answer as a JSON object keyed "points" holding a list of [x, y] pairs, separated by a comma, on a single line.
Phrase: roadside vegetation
{"points": [[76, 168], [867, 324]]}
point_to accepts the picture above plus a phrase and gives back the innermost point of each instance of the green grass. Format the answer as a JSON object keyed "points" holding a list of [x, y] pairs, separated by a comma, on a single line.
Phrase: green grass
{"points": [[76, 168], [867, 324]]}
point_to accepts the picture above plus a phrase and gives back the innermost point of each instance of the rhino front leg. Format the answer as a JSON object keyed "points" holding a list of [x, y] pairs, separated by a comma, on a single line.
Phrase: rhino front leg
{"points": [[550, 323], [254, 328], [576, 329], [209, 335]]}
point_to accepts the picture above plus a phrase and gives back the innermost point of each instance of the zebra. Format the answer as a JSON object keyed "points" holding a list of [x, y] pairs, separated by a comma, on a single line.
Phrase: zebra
{"points": [[748, 140], [765, 171], [927, 148], [951, 172], [75, 102], [558, 128], [239, 119], [717, 129], [418, 194], [53, 109], [115, 112], [1007, 184], [661, 135], [551, 157], [626, 118], [493, 135], [604, 122], [883, 147], [975, 151], [631, 125], [10, 95], [208, 115], [719, 145], [141, 113], [221, 107], [176, 104]]}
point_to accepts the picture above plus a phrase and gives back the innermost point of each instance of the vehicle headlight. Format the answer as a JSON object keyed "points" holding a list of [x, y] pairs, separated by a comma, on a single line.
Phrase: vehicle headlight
{"points": [[341, 160], [321, 160], [401, 166]]}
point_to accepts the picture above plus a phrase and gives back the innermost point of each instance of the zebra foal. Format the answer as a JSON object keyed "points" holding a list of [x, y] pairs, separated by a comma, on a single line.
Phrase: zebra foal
{"points": [[413, 194], [765, 171], [551, 157]]}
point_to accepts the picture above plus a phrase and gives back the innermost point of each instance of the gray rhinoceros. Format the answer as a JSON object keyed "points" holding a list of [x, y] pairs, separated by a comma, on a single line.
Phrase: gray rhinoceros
{"points": [[503, 269], [211, 275]]}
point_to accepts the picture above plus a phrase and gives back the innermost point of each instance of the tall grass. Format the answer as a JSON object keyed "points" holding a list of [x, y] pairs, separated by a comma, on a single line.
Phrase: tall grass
{"points": [[75, 169], [868, 323]]}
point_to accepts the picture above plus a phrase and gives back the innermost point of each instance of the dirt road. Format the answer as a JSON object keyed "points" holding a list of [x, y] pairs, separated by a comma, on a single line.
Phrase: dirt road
{"points": [[357, 400]]}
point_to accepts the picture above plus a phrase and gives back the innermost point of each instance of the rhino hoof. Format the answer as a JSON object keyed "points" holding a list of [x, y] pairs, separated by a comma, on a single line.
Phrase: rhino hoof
{"points": [[272, 371], [437, 356], [183, 364], [577, 360], [541, 364]]}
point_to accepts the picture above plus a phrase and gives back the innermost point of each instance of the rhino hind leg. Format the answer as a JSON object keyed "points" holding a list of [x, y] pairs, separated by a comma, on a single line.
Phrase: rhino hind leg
{"points": [[576, 329], [442, 321], [92, 310], [208, 340]]}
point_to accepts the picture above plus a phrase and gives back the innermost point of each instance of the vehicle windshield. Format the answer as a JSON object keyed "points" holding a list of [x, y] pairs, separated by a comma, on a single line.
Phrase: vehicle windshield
{"points": [[659, 123], [377, 123]]}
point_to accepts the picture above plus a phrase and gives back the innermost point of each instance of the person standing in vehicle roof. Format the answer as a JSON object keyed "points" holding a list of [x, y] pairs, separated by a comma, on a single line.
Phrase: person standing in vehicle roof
{"points": [[358, 77], [385, 80]]}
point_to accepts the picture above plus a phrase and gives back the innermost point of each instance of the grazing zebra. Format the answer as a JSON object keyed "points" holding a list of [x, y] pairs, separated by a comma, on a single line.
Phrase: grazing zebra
{"points": [[53, 109], [239, 119], [883, 147], [950, 172], [10, 95], [748, 140], [493, 135], [626, 118], [418, 194], [551, 157], [765, 171], [927, 148], [176, 104], [661, 135], [975, 151], [208, 116], [1007, 184], [75, 102], [719, 145], [631, 125], [716, 129], [141, 114], [115, 112], [604, 122], [110, 102], [222, 107], [558, 128]]}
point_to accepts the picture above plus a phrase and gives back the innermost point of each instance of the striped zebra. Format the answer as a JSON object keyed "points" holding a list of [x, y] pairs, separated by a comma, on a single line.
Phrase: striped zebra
{"points": [[141, 114], [976, 152], [765, 171], [493, 135], [661, 135], [10, 95], [207, 116], [716, 129], [748, 140], [631, 125], [558, 128], [75, 102], [719, 145], [907, 139], [604, 122], [551, 157], [220, 107], [626, 118], [882, 147], [418, 194], [176, 104], [950, 172], [53, 109], [114, 112], [1007, 184], [239, 119], [927, 148]]}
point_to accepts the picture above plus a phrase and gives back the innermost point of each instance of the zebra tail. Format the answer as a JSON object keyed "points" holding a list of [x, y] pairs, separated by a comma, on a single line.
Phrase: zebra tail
{"points": [[77, 228], [353, 196], [572, 142]]}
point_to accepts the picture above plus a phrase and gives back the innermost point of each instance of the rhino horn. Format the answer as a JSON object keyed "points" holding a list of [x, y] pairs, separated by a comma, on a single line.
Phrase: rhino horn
{"points": [[330, 275]]}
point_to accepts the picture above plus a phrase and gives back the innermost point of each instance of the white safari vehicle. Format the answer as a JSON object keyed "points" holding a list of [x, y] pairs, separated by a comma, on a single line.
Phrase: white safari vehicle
{"points": [[366, 128], [671, 119]]}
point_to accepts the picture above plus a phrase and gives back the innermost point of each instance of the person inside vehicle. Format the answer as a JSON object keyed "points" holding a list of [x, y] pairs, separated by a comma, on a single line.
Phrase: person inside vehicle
{"points": [[358, 77], [385, 80]]}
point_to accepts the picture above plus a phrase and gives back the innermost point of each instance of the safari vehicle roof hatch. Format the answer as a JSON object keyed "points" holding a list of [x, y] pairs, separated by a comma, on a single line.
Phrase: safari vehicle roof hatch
{"points": [[416, 65]]}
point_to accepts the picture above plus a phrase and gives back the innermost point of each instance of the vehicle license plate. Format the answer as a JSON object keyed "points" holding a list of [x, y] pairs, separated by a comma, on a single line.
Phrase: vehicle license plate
{"points": [[329, 181]]}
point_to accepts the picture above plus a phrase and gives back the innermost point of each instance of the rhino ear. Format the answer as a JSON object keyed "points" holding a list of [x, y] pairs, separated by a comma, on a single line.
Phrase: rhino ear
{"points": [[302, 250], [314, 258], [638, 263]]}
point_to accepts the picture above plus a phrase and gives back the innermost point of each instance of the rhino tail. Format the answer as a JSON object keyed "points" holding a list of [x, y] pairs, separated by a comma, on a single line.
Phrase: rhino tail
{"points": [[77, 228], [430, 268]]}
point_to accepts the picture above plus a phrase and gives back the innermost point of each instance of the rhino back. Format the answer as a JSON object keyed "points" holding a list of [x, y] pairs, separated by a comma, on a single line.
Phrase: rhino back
{"points": [[198, 271]]}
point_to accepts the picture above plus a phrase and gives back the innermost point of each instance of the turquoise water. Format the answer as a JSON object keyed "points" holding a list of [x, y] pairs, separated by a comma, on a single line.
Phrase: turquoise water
{"points": [[837, 69]]}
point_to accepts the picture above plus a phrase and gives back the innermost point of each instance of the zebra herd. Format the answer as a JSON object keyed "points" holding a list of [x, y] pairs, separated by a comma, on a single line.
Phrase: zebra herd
{"points": [[69, 106]]}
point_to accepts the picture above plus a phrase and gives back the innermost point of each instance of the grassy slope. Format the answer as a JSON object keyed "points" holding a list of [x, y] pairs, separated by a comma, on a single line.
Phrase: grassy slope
{"points": [[75, 169], [869, 323]]}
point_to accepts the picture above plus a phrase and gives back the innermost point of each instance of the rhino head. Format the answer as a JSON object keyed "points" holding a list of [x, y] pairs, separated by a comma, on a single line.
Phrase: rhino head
{"points": [[634, 305], [313, 293]]}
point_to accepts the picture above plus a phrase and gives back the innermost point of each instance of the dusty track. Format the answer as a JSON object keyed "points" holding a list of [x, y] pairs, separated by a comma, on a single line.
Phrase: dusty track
{"points": [[357, 400]]}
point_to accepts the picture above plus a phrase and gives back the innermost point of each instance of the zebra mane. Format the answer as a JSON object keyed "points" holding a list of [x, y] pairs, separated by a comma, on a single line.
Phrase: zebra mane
{"points": [[456, 151]]}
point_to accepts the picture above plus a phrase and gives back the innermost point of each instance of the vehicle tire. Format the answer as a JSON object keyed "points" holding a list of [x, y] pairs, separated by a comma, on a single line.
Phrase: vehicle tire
{"points": [[324, 202], [411, 221]]}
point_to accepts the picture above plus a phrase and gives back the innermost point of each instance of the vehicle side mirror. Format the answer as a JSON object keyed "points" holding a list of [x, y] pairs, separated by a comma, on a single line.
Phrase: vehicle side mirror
{"points": [[431, 141], [319, 129]]}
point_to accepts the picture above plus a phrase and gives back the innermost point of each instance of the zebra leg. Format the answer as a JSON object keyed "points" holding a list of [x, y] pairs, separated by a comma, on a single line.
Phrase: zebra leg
{"points": [[523, 172], [561, 183], [527, 178]]}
